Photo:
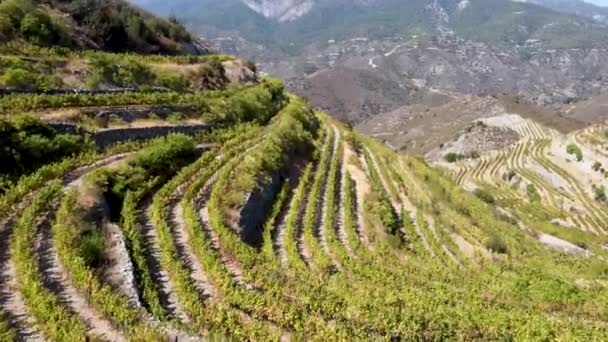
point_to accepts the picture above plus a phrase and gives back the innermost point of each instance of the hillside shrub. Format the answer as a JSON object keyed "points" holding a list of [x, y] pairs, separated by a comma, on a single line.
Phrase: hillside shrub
{"points": [[290, 136], [25, 79], [161, 159], [28, 143], [573, 149], [596, 166], [26, 19], [252, 104], [485, 196], [496, 244], [173, 81], [120, 72], [91, 247], [19, 78], [532, 193], [600, 193], [453, 157], [211, 75]]}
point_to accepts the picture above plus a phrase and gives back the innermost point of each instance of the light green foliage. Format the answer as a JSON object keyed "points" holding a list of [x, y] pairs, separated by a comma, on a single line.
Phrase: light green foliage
{"points": [[91, 246], [532, 193], [120, 72], [21, 75], [485, 196], [27, 19], [290, 136], [173, 81], [575, 150], [160, 160], [495, 244], [600, 193]]}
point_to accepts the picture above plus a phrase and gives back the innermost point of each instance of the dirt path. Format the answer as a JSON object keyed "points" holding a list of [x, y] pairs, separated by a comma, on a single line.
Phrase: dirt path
{"points": [[396, 205], [182, 239], [279, 232], [57, 279], [362, 188], [227, 259], [322, 212], [11, 300], [168, 297], [341, 183]]}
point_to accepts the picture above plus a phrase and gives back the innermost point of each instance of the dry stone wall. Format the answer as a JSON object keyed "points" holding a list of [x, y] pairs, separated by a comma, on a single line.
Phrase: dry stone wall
{"points": [[109, 137]]}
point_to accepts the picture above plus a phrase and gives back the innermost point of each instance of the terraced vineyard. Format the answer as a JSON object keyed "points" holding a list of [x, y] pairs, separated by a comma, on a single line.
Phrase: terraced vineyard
{"points": [[296, 229], [210, 204], [549, 183]]}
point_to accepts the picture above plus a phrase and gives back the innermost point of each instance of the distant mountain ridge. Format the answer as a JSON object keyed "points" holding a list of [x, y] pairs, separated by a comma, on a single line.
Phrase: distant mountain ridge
{"points": [[576, 7], [290, 25], [361, 58]]}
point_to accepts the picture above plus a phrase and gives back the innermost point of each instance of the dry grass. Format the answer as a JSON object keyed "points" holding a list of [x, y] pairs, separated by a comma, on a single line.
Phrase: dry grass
{"points": [[66, 114]]}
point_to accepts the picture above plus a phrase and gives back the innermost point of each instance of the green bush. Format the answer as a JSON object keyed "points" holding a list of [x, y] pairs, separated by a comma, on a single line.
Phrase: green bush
{"points": [[600, 193], [212, 75], [161, 159], [19, 78], [453, 157], [173, 81], [91, 247], [28, 20], [485, 196], [24, 79], [573, 149], [596, 166], [533, 194], [121, 72], [495, 244], [28, 143]]}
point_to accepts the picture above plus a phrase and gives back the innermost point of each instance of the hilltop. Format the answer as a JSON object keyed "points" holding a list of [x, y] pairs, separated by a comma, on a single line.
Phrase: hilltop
{"points": [[113, 26], [158, 197]]}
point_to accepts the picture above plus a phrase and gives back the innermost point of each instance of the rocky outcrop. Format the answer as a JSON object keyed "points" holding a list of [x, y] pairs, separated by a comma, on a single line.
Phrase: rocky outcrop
{"points": [[281, 10]]}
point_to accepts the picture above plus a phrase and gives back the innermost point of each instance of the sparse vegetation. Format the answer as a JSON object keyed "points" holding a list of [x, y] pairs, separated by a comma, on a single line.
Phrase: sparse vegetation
{"points": [[575, 150], [454, 157], [495, 244], [485, 196], [600, 193]]}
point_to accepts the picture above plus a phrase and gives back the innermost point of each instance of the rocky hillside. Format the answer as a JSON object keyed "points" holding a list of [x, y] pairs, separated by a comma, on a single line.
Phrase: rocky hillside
{"points": [[113, 26], [372, 57], [577, 7]]}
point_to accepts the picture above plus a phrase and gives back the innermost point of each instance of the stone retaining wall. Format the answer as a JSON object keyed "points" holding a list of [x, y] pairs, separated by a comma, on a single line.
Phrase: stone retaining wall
{"points": [[77, 91], [109, 137], [257, 205]]}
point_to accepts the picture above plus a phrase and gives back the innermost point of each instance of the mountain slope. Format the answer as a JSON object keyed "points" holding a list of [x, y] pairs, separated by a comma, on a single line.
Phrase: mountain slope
{"points": [[392, 53], [577, 7], [494, 21]]}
